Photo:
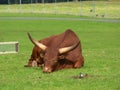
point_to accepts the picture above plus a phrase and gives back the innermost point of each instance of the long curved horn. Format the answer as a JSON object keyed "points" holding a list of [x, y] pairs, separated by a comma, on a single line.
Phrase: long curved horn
{"points": [[67, 49], [40, 45]]}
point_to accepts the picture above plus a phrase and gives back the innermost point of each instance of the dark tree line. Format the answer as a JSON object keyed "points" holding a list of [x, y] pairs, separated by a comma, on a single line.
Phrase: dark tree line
{"points": [[29, 1], [38, 1]]}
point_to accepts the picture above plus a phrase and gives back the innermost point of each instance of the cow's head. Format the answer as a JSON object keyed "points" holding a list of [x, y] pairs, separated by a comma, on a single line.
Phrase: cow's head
{"points": [[52, 54]]}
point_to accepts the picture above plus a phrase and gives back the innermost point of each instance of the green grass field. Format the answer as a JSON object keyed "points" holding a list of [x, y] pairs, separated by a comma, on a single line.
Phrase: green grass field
{"points": [[101, 49]]}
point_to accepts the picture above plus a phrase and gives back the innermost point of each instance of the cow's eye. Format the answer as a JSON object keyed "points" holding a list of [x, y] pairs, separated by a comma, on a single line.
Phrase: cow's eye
{"points": [[42, 55]]}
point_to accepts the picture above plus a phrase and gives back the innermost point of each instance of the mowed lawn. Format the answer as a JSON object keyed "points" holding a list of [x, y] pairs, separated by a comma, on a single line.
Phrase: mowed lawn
{"points": [[101, 50]]}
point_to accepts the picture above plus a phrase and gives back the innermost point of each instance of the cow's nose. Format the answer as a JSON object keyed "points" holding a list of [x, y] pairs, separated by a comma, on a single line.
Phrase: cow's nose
{"points": [[47, 70]]}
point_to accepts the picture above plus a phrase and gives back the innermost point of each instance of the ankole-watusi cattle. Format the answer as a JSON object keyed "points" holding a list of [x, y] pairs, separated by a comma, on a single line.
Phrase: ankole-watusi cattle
{"points": [[58, 52]]}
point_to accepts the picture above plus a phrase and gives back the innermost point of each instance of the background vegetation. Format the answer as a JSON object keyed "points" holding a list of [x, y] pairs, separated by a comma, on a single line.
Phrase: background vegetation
{"points": [[99, 9]]}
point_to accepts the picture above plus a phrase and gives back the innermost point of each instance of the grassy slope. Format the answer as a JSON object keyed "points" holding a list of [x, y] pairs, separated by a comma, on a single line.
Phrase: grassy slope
{"points": [[101, 47], [110, 9]]}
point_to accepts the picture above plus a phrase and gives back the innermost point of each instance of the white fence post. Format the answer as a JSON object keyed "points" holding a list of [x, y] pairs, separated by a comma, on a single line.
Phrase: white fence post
{"points": [[20, 6], [80, 7]]}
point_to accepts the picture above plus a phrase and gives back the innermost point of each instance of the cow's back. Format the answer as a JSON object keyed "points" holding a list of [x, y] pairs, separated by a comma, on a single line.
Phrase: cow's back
{"points": [[70, 39]]}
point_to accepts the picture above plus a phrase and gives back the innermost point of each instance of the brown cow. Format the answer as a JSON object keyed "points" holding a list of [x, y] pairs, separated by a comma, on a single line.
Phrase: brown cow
{"points": [[60, 51]]}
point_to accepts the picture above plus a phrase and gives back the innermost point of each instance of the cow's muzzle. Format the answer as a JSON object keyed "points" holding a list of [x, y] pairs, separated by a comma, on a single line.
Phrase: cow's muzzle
{"points": [[47, 70]]}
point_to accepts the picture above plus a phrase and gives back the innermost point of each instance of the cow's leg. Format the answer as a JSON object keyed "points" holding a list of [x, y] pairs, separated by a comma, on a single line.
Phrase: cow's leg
{"points": [[39, 62], [79, 63]]}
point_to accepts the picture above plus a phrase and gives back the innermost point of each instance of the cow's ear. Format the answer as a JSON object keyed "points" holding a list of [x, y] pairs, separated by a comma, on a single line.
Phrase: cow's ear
{"points": [[61, 57]]}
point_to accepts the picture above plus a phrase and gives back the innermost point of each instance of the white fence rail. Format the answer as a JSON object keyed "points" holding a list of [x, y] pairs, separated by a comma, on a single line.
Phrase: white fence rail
{"points": [[9, 47]]}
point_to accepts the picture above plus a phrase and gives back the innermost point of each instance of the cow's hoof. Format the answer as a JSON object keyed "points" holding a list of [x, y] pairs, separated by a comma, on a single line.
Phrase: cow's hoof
{"points": [[34, 64]]}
